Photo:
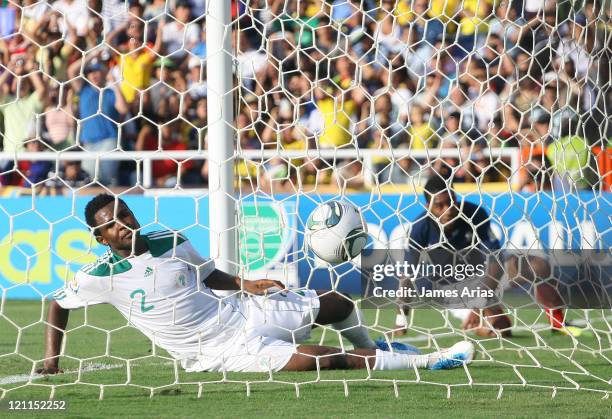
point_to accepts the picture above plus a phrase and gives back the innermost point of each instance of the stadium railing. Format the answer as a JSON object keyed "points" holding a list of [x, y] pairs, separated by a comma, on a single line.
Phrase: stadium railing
{"points": [[144, 159]]}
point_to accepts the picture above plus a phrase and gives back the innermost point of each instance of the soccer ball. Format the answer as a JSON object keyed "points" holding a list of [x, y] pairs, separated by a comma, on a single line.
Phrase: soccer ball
{"points": [[336, 232]]}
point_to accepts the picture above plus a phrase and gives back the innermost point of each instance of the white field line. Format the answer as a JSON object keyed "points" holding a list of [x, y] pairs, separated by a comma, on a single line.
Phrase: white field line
{"points": [[25, 378]]}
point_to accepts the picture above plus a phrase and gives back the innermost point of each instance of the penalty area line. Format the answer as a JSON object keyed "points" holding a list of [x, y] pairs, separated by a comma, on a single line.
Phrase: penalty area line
{"points": [[24, 378]]}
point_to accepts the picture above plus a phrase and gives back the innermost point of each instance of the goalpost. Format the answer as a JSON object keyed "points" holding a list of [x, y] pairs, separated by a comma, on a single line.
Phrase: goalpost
{"points": [[220, 113], [308, 102]]}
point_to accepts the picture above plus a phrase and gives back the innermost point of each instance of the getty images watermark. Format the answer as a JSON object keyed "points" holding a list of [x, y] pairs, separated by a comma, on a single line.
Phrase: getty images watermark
{"points": [[478, 279], [418, 285]]}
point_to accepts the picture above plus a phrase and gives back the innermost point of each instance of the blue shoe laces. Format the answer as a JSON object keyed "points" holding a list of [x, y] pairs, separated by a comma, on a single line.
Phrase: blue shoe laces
{"points": [[396, 346], [446, 364]]}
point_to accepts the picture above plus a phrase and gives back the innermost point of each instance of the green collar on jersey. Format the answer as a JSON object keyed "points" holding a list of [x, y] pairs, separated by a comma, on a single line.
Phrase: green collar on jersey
{"points": [[110, 263], [160, 242]]}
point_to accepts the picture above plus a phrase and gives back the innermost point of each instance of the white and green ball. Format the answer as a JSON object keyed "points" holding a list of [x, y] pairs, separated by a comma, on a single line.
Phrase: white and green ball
{"points": [[336, 232]]}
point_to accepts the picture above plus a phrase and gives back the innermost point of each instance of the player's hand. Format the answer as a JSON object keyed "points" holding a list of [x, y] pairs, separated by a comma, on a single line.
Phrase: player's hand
{"points": [[261, 286], [472, 321], [51, 370], [496, 322]]}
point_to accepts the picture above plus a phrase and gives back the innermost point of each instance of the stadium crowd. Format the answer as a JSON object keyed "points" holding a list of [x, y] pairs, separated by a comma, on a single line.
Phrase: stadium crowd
{"points": [[471, 75]]}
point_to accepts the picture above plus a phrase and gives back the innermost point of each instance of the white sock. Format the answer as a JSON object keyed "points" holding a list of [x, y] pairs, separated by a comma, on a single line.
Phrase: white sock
{"points": [[400, 320], [352, 328], [460, 313], [386, 361]]}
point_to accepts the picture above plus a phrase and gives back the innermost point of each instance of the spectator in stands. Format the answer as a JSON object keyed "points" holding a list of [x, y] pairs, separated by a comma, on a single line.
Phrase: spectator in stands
{"points": [[55, 50], [199, 119], [404, 171], [59, 118], [196, 77], [570, 161], [199, 50], [534, 174], [33, 12], [95, 36], [498, 135], [452, 132], [161, 82], [99, 115], [421, 134], [428, 95], [458, 101], [388, 32], [478, 165], [313, 172], [75, 11], [380, 164], [506, 24], [179, 33], [36, 171], [154, 9], [342, 73], [326, 39], [473, 28], [168, 137], [293, 21], [22, 95], [136, 59], [450, 165], [335, 110], [252, 61], [71, 175], [349, 175]]}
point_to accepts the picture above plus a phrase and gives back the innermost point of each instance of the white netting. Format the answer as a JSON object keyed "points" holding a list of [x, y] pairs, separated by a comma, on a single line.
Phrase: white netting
{"points": [[352, 100]]}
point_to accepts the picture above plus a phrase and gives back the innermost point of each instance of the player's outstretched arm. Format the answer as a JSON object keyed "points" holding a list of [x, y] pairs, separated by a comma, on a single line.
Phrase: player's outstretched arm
{"points": [[222, 281], [57, 319], [219, 280]]}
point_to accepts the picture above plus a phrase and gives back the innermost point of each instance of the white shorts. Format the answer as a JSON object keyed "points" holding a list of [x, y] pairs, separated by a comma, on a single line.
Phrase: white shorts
{"points": [[275, 325]]}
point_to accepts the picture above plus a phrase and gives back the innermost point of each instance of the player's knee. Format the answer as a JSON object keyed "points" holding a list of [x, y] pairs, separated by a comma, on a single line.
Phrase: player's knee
{"points": [[309, 358], [345, 304], [335, 307], [325, 362], [334, 361]]}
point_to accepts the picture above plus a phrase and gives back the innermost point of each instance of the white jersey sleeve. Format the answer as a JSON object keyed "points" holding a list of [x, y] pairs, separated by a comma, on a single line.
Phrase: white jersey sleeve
{"points": [[75, 293], [188, 253]]}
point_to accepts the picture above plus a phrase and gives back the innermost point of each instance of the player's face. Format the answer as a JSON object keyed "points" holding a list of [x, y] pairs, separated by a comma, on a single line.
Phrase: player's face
{"points": [[118, 231], [442, 206]]}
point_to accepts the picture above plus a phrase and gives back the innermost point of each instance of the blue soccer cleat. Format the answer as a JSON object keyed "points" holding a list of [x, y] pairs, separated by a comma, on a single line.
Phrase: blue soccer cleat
{"points": [[397, 347], [461, 353]]}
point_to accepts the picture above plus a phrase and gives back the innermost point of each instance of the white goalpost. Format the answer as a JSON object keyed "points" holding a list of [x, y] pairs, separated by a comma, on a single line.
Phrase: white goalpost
{"points": [[219, 75]]}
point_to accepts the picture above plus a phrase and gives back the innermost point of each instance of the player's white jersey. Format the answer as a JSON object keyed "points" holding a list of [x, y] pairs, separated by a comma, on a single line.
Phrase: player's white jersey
{"points": [[162, 294]]}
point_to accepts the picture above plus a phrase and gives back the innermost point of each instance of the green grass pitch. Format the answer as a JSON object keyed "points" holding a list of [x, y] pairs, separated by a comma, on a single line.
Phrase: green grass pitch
{"points": [[100, 337]]}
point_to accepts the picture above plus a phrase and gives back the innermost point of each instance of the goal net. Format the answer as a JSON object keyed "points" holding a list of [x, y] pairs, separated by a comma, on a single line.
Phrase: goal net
{"points": [[229, 126]]}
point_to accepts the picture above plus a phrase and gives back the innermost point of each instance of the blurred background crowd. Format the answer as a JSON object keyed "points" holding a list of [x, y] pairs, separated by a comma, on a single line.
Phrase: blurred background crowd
{"points": [[532, 76]]}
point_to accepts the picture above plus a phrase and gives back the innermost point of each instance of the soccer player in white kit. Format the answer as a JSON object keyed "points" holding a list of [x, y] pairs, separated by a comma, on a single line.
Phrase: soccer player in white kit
{"points": [[166, 290]]}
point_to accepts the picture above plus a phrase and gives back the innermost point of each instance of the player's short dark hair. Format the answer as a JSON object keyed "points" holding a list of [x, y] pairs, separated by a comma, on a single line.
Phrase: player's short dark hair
{"points": [[435, 185], [135, 3], [95, 205]]}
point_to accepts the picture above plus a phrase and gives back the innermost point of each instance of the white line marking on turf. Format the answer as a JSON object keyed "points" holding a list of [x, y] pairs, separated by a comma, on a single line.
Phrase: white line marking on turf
{"points": [[24, 378]]}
